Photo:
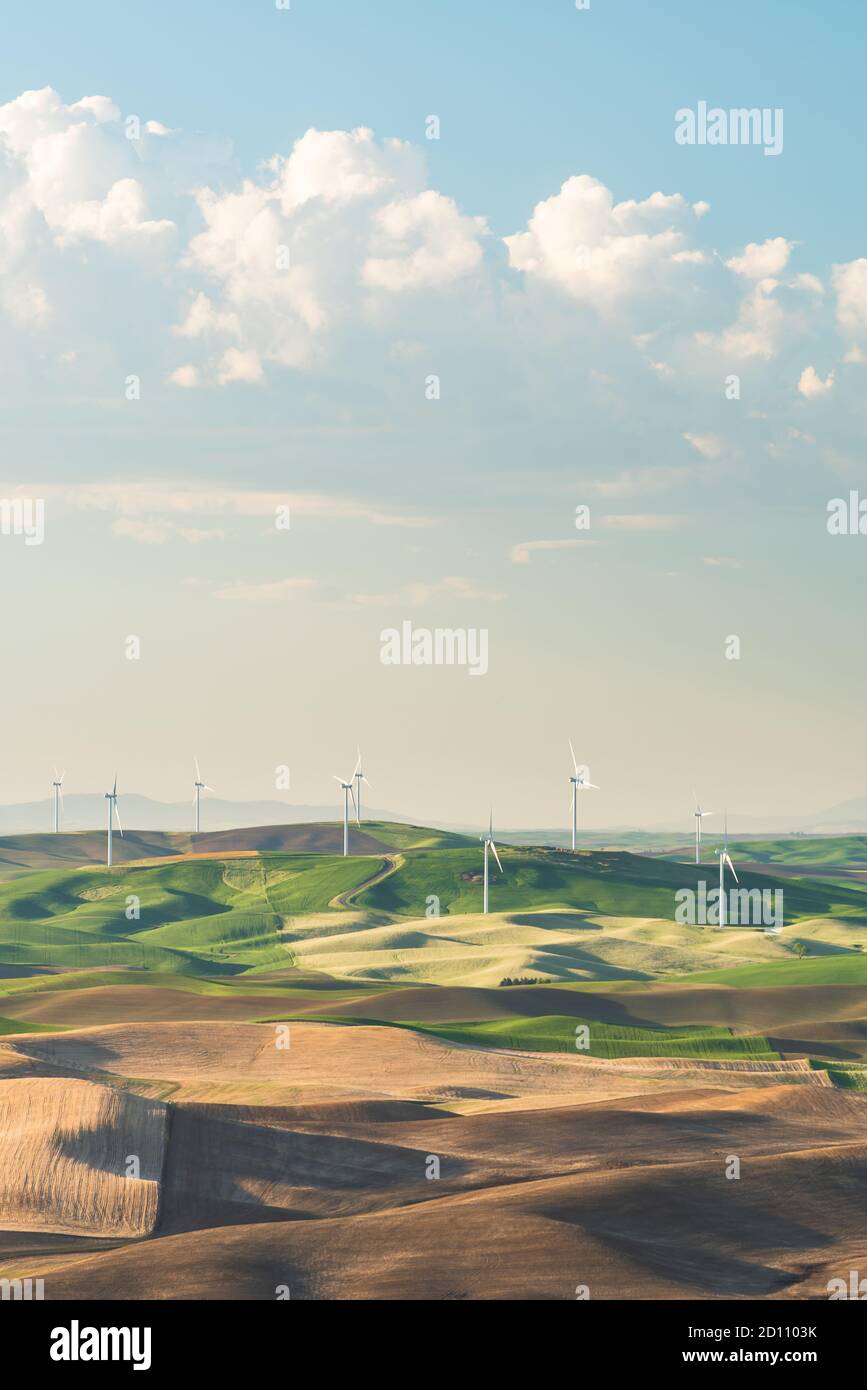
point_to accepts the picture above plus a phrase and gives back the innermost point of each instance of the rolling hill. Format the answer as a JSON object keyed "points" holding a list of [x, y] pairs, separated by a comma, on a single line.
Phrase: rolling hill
{"points": [[286, 1038], [20, 854], [310, 1168], [409, 914]]}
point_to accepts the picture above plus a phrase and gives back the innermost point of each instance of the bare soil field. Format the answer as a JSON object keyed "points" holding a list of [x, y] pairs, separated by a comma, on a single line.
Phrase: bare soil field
{"points": [[628, 1198], [77, 1008], [371, 1162]]}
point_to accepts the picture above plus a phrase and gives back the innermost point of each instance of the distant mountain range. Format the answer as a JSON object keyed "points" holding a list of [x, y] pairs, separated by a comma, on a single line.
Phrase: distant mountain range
{"points": [[86, 811], [846, 818]]}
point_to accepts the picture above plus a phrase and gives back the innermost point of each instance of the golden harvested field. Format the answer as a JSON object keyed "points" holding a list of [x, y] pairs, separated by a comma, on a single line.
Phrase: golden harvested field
{"points": [[241, 1062], [627, 1196], [65, 1146]]}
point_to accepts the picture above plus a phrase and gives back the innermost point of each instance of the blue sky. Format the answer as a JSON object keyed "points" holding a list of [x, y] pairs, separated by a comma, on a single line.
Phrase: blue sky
{"points": [[709, 513], [527, 92]]}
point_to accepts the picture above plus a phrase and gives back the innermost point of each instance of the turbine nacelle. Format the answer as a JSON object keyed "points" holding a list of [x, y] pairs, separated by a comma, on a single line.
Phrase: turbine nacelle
{"points": [[698, 816], [348, 789], [488, 841], [200, 786], [57, 784], [579, 779], [113, 814]]}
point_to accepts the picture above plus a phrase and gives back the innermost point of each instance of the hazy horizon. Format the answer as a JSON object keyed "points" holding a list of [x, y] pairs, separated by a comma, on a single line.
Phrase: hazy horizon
{"points": [[216, 810]]}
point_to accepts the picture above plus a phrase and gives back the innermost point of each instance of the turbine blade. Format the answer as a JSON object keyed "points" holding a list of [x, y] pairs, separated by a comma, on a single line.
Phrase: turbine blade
{"points": [[114, 788], [732, 867], [206, 788], [496, 856], [117, 813], [354, 803], [198, 772], [338, 779], [574, 760], [358, 764], [365, 779]]}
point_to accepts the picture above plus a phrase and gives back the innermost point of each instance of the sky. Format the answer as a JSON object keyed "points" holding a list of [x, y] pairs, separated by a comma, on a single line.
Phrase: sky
{"points": [[319, 321]]}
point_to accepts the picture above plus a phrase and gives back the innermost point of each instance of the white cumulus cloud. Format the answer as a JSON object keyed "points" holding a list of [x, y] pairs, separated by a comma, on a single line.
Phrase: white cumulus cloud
{"points": [[601, 251], [850, 284], [759, 260], [811, 384], [72, 170]]}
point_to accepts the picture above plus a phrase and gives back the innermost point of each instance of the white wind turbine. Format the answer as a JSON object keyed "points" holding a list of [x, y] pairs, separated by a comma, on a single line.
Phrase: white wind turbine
{"points": [[699, 815], [111, 798], [358, 777], [200, 787], [723, 860], [58, 797], [578, 784], [489, 843], [348, 791]]}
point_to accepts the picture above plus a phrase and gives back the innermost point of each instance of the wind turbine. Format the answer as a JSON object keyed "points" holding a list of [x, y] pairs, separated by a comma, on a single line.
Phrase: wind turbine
{"points": [[58, 797], [358, 777], [111, 798], [348, 791], [723, 860], [699, 816], [489, 843], [578, 784], [200, 787]]}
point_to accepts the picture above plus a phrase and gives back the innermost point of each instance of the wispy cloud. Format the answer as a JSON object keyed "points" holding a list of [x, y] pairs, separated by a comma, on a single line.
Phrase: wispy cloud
{"points": [[642, 521], [158, 532], [710, 446], [520, 553], [416, 594], [273, 591], [156, 499], [632, 482]]}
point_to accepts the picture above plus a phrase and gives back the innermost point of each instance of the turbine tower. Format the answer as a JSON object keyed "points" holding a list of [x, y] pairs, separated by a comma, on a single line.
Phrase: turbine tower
{"points": [[58, 797], [578, 784], [489, 843], [111, 798], [699, 816], [723, 860], [358, 777], [348, 791], [200, 787]]}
